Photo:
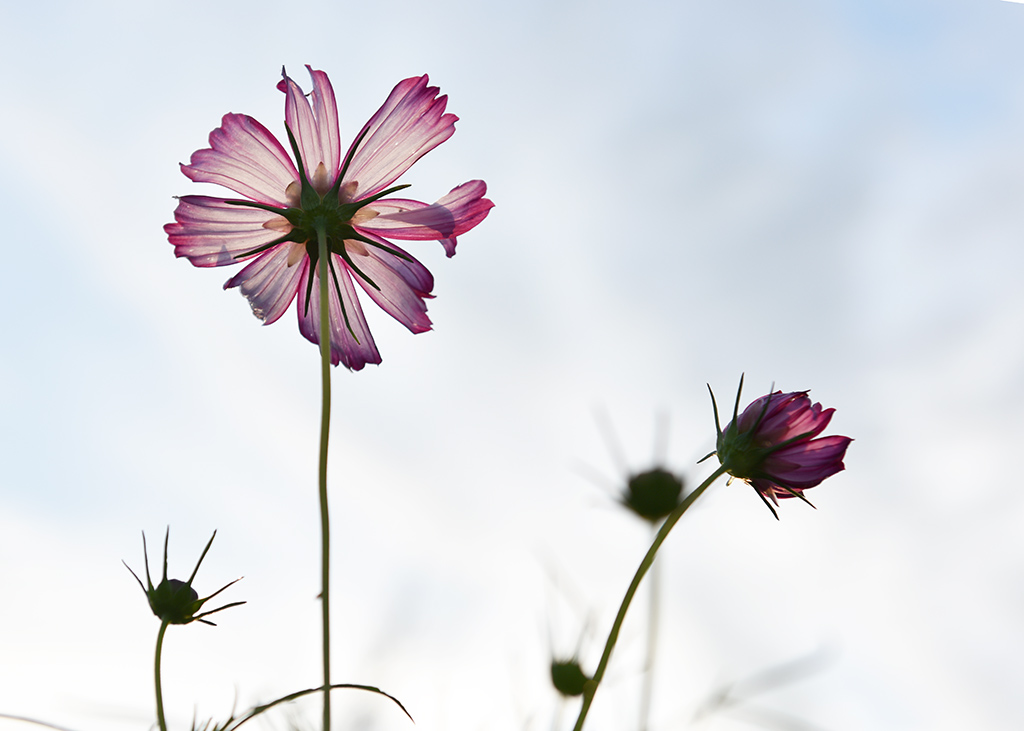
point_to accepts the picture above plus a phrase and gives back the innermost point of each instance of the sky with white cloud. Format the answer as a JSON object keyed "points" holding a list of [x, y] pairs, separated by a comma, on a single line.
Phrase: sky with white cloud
{"points": [[822, 195]]}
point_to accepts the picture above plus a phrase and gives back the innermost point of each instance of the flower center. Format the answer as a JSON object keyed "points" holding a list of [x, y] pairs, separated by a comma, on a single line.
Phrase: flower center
{"points": [[317, 208]]}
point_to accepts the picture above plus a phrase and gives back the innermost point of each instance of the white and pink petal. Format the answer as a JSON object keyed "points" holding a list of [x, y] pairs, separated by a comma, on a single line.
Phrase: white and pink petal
{"points": [[410, 124], [453, 215], [315, 128], [271, 281], [212, 233], [246, 158], [404, 285]]}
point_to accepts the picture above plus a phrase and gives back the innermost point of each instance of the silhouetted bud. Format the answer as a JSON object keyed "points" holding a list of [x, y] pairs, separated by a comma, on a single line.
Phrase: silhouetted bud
{"points": [[175, 601], [568, 677], [653, 494]]}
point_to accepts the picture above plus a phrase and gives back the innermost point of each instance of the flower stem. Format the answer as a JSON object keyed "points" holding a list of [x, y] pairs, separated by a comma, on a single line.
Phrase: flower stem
{"points": [[590, 689], [325, 428], [159, 689]]}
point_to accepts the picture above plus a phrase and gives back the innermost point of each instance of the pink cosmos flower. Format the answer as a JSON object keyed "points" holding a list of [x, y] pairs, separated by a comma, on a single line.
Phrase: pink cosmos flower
{"points": [[772, 445], [274, 229]]}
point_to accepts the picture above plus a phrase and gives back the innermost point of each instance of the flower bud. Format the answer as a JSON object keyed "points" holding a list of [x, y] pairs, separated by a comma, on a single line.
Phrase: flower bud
{"points": [[772, 445], [174, 601], [653, 494], [568, 677]]}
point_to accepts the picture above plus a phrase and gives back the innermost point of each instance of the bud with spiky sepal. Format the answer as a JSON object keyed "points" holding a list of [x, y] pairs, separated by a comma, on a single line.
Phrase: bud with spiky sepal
{"points": [[175, 601]]}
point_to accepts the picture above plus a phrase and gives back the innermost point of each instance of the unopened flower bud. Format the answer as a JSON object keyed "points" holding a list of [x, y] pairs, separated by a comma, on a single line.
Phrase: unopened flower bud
{"points": [[174, 601], [772, 445], [653, 494], [568, 677]]}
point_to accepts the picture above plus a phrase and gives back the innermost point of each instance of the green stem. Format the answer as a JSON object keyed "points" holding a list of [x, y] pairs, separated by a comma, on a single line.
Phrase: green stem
{"points": [[325, 428], [590, 689], [159, 690]]}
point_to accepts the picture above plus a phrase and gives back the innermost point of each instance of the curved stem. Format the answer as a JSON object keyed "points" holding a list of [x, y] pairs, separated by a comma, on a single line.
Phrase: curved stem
{"points": [[159, 690], [233, 723], [590, 689], [325, 428], [25, 719]]}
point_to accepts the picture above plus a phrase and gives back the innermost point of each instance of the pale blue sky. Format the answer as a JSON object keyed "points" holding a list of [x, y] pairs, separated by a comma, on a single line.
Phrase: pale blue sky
{"points": [[821, 194]]}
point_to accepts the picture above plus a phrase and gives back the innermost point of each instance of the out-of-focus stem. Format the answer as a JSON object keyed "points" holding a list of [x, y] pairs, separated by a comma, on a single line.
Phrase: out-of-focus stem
{"points": [[653, 617]]}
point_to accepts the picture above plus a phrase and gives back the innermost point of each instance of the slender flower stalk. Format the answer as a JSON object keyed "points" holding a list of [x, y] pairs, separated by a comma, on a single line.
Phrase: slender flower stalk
{"points": [[653, 617], [161, 721], [325, 438], [613, 636]]}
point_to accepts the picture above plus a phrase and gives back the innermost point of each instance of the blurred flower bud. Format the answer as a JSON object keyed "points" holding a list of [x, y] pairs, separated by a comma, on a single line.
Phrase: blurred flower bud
{"points": [[653, 494], [568, 677]]}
